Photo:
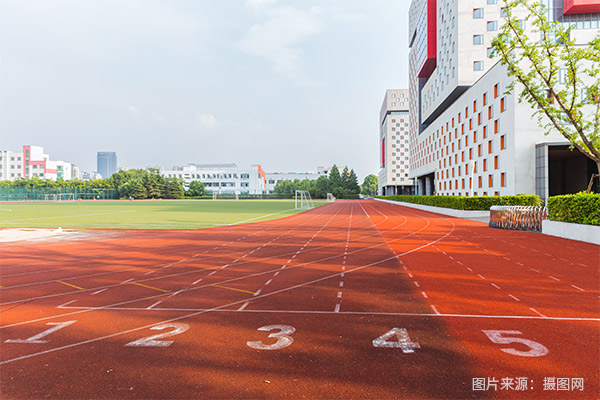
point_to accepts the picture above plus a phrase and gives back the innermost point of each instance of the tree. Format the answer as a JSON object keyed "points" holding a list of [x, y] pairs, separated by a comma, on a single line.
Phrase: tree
{"points": [[540, 60], [196, 189], [173, 188], [370, 184], [352, 187]]}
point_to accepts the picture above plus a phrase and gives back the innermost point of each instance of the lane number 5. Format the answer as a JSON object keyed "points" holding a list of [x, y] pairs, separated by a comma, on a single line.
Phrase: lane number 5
{"points": [[535, 349], [283, 338]]}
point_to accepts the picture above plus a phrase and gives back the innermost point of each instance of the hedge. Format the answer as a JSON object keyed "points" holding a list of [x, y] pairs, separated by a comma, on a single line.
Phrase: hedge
{"points": [[469, 203], [580, 208]]}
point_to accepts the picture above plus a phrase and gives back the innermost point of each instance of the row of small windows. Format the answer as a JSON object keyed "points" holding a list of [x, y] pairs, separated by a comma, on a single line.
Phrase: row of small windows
{"points": [[209, 176]]}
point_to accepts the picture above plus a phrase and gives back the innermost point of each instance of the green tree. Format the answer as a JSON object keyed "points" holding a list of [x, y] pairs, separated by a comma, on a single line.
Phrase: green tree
{"points": [[154, 183], [196, 189], [173, 188], [536, 58], [352, 186], [370, 185]]}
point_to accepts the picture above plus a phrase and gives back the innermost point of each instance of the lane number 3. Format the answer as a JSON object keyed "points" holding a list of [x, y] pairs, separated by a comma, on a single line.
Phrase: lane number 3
{"points": [[535, 349], [283, 338]]}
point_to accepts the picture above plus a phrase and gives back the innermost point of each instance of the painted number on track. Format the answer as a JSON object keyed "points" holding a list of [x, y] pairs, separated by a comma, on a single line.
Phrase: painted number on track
{"points": [[403, 341], [151, 341], [283, 338], [36, 338], [535, 349]]}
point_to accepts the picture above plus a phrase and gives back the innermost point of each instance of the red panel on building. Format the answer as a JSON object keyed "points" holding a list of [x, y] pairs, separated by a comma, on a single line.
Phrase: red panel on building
{"points": [[581, 6], [383, 153], [430, 61]]}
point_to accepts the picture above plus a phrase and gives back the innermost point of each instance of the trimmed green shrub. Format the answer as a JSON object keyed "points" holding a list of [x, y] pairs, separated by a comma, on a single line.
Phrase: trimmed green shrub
{"points": [[580, 208], [469, 203]]}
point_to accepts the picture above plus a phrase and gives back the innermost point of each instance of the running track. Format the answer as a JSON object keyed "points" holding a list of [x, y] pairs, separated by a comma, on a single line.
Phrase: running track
{"points": [[356, 299]]}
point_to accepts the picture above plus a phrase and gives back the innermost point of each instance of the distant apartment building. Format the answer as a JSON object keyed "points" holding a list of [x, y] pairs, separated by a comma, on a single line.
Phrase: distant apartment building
{"points": [[394, 144], [221, 178], [32, 162], [106, 163], [467, 136]]}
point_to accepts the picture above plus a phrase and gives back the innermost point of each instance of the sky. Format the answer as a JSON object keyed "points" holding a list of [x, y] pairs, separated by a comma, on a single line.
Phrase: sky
{"points": [[291, 85]]}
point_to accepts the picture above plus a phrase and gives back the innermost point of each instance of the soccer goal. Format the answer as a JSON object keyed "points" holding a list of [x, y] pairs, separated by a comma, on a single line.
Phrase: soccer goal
{"points": [[330, 197], [303, 199], [66, 197], [50, 197]]}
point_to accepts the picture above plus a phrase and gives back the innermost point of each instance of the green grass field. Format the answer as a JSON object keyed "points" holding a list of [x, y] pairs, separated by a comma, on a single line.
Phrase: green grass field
{"points": [[146, 214]]}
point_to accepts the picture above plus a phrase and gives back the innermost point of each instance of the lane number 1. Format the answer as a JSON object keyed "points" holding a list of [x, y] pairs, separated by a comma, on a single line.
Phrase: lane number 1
{"points": [[36, 338]]}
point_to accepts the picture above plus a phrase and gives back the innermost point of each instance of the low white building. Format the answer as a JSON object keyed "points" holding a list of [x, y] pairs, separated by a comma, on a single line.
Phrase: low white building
{"points": [[32, 162], [272, 178], [221, 178]]}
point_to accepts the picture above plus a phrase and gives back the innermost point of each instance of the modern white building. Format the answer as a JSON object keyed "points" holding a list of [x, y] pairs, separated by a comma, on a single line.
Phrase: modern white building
{"points": [[32, 162], [221, 178], [467, 136], [394, 144], [272, 178]]}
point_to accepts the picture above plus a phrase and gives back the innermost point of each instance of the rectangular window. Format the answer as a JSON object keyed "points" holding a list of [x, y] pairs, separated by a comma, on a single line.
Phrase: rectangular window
{"points": [[485, 164], [479, 150], [502, 105], [479, 119], [490, 180], [502, 142], [492, 26], [485, 132], [492, 1], [490, 147], [485, 99], [496, 90], [490, 52], [480, 181], [477, 39], [562, 75], [496, 162], [490, 112], [503, 179], [496, 126], [478, 66], [478, 13], [470, 154]]}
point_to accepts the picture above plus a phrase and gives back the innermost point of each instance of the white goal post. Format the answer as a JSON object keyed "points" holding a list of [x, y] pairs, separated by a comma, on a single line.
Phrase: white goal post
{"points": [[303, 200], [330, 197], [50, 197], [66, 197]]}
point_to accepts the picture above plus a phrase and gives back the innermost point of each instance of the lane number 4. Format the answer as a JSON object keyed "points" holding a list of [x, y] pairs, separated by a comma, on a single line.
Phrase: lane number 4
{"points": [[501, 337], [402, 341]]}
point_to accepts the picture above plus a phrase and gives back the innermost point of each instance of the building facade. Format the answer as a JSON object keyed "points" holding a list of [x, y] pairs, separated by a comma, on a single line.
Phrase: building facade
{"points": [[106, 163], [272, 178], [32, 162], [221, 178], [393, 144], [468, 137]]}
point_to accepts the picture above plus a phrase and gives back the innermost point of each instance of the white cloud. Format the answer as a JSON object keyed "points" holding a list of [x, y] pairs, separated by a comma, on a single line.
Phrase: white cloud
{"points": [[207, 121], [259, 3], [280, 37]]}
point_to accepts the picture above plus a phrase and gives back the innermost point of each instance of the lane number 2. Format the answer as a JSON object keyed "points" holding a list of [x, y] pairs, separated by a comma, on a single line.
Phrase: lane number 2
{"points": [[283, 338], [535, 349], [402, 341], [36, 338], [151, 341]]}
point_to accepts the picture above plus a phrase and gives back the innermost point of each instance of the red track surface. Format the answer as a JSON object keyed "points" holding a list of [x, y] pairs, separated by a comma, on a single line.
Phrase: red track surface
{"points": [[324, 285]]}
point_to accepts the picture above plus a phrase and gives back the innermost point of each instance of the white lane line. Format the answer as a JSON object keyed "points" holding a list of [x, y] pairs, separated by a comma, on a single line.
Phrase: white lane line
{"points": [[506, 258], [128, 280], [583, 265], [416, 284], [551, 277], [99, 291], [212, 273], [469, 269], [154, 305], [515, 298], [459, 263], [342, 275], [496, 286], [243, 306], [67, 303], [537, 312], [339, 296], [410, 275], [343, 268], [520, 264], [424, 295], [268, 282], [198, 281], [341, 284], [535, 270], [578, 288], [435, 310], [276, 273], [288, 261], [257, 292], [337, 308], [481, 276], [176, 293]]}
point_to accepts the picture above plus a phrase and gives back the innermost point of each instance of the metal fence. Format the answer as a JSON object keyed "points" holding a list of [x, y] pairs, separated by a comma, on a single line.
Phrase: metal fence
{"points": [[525, 218], [49, 194]]}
